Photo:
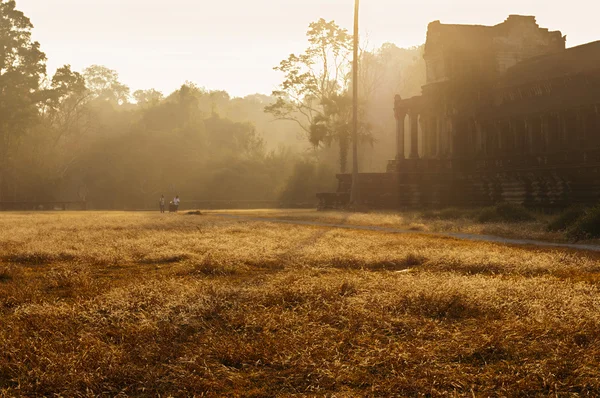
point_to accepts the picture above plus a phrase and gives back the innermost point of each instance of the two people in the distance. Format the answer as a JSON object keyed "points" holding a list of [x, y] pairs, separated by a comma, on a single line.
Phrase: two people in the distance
{"points": [[173, 205]]}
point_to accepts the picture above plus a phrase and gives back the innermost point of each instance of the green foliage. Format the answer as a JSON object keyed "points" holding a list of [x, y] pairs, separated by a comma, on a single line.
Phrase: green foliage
{"points": [[505, 212], [566, 219], [587, 225]]}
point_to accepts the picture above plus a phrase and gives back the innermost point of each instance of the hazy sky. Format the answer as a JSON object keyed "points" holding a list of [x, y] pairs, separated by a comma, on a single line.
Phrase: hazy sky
{"points": [[233, 44]]}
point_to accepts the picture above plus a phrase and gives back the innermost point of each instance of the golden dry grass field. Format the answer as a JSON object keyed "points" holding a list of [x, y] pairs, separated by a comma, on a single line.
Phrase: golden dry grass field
{"points": [[460, 221], [144, 304]]}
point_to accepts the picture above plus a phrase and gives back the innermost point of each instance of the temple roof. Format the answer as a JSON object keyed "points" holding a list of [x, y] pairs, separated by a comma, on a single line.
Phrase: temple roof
{"points": [[571, 61], [477, 37]]}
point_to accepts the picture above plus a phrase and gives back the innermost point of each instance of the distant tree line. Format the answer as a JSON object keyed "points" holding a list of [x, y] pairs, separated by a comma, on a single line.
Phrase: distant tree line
{"points": [[85, 136]]}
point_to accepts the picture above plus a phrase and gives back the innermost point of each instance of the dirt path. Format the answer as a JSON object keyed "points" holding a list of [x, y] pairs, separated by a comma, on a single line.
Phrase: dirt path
{"points": [[456, 235]]}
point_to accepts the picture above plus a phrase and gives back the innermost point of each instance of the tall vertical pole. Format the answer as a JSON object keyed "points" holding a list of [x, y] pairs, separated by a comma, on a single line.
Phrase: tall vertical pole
{"points": [[354, 194]]}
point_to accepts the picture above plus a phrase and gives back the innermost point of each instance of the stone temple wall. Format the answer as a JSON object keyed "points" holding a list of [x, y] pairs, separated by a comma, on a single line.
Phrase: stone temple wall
{"points": [[534, 188], [508, 115]]}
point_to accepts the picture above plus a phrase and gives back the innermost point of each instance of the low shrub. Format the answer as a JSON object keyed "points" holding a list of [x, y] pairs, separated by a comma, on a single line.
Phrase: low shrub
{"points": [[505, 212], [566, 219], [587, 226]]}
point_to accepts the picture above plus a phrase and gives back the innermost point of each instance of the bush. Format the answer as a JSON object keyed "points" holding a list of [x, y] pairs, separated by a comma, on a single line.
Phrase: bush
{"points": [[587, 226], [505, 212], [566, 219]]}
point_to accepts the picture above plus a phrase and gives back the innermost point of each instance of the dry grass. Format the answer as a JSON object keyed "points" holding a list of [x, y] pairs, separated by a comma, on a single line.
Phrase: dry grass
{"points": [[446, 220], [139, 304]]}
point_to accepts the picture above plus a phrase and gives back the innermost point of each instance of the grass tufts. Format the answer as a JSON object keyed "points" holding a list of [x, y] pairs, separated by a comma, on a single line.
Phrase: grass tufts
{"points": [[409, 260], [566, 219], [505, 212], [488, 354], [348, 289], [215, 265], [164, 258], [39, 258], [260, 309], [587, 226], [449, 214], [442, 306], [68, 278], [6, 273]]}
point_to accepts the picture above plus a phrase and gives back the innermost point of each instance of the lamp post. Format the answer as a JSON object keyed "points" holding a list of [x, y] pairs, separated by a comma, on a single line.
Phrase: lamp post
{"points": [[354, 193]]}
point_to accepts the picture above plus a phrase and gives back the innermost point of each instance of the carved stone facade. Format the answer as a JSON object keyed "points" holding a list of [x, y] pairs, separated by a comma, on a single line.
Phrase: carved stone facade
{"points": [[507, 114]]}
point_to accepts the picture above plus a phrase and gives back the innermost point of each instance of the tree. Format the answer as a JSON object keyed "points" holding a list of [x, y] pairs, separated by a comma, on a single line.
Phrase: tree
{"points": [[50, 147], [66, 96], [22, 68], [314, 76], [148, 97], [335, 124], [315, 90], [104, 84], [67, 119]]}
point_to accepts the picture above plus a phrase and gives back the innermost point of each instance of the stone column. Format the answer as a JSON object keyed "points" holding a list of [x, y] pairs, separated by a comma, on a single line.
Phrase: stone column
{"points": [[520, 135], [450, 133], [512, 136], [414, 135], [529, 130], [514, 130], [545, 130], [424, 125], [595, 137], [581, 129], [432, 136], [500, 137], [478, 138], [438, 137], [562, 131], [400, 119]]}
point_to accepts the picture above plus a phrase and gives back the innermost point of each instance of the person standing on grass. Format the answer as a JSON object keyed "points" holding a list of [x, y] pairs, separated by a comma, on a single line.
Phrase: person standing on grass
{"points": [[176, 202], [161, 203]]}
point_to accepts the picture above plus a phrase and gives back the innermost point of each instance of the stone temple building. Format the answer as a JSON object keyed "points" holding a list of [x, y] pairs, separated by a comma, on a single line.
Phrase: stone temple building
{"points": [[508, 114]]}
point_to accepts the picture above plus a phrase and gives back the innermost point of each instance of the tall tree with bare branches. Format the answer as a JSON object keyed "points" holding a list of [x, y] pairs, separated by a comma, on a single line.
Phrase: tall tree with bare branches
{"points": [[315, 92]]}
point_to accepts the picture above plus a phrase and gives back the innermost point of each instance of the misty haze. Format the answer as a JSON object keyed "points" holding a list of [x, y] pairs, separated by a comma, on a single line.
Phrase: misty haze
{"points": [[325, 198]]}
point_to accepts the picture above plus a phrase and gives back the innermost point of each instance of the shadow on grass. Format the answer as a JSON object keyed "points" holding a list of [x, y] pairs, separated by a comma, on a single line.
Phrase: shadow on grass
{"points": [[411, 260], [39, 258]]}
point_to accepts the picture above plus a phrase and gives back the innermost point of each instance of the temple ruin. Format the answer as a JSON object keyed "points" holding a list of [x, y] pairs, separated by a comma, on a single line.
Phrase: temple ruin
{"points": [[508, 114]]}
